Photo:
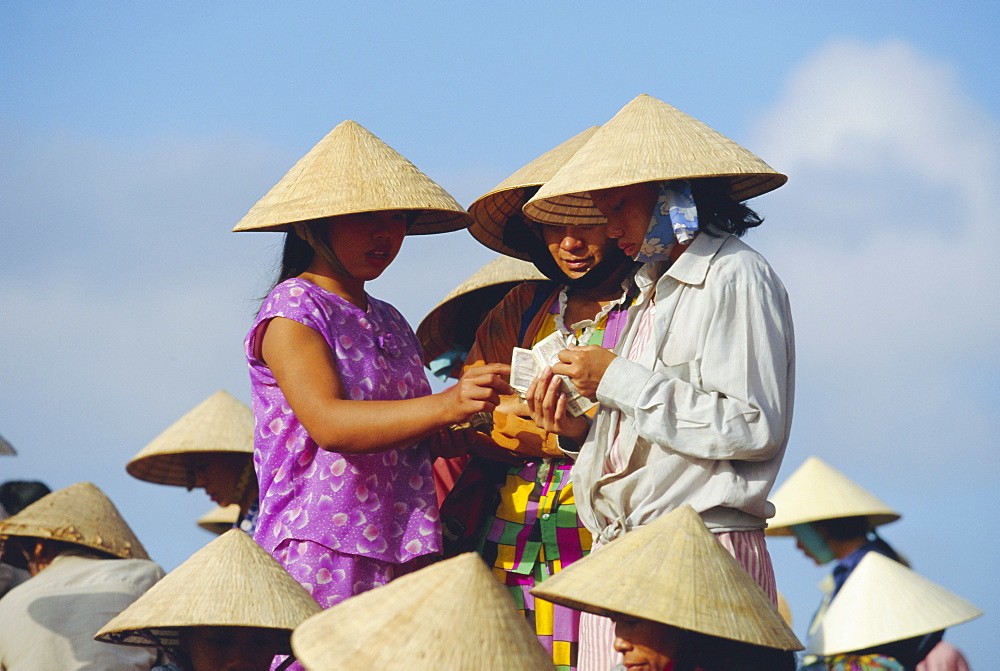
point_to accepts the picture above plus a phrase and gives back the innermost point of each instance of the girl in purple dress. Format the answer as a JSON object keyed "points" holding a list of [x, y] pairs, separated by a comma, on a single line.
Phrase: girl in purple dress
{"points": [[343, 409]]}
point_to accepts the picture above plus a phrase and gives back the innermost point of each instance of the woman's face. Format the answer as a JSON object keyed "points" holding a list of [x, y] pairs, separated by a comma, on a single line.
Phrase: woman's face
{"points": [[366, 243], [230, 648], [577, 249], [646, 645], [628, 210], [218, 473]]}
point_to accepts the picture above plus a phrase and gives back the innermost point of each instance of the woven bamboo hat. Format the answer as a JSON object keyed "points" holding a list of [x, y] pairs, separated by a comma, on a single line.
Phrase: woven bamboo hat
{"points": [[675, 572], [647, 141], [491, 212], [5, 447], [231, 582], [220, 519], [451, 615], [451, 321], [352, 171], [883, 601], [220, 423], [79, 514], [816, 491]]}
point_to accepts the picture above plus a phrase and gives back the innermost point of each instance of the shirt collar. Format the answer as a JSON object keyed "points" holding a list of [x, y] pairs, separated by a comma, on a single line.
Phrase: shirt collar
{"points": [[692, 266]]}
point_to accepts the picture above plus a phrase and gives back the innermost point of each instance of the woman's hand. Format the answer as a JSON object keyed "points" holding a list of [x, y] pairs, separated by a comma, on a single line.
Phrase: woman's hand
{"points": [[478, 390], [585, 367], [547, 406]]}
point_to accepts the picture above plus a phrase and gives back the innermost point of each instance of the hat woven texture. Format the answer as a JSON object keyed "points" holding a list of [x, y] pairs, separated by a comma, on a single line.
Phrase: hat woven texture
{"points": [[351, 171], [451, 615], [675, 572], [491, 211], [220, 423], [858, 617], [817, 491], [231, 582], [437, 330], [647, 141], [80, 514], [220, 519]]}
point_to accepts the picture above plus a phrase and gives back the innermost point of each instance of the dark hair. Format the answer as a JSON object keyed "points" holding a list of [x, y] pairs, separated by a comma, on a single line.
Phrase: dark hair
{"points": [[712, 653], [718, 212], [845, 528], [16, 495], [296, 255]]}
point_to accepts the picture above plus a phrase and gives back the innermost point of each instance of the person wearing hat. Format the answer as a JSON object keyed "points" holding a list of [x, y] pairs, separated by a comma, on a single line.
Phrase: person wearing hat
{"points": [[228, 606], [86, 566], [452, 615], [834, 520], [343, 409], [15, 496], [532, 530], [696, 399], [679, 601], [210, 447], [881, 611]]}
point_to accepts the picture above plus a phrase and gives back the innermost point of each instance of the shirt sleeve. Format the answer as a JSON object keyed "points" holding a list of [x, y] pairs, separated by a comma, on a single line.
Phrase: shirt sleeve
{"points": [[733, 401]]}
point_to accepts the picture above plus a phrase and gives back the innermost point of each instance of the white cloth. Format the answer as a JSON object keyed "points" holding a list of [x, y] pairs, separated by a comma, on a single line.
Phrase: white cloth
{"points": [[705, 413], [49, 622]]}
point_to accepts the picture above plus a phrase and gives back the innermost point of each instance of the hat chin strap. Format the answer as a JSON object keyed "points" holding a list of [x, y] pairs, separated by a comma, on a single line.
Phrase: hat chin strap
{"points": [[321, 248]]}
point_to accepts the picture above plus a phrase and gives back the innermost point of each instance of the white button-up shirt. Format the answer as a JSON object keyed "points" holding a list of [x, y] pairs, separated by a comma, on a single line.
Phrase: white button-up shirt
{"points": [[704, 413]]}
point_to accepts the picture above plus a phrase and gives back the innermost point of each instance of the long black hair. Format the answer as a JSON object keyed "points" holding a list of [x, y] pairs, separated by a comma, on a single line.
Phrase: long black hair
{"points": [[718, 212]]}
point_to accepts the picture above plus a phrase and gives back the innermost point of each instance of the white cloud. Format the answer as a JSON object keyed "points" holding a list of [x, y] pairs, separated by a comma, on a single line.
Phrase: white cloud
{"points": [[886, 229]]}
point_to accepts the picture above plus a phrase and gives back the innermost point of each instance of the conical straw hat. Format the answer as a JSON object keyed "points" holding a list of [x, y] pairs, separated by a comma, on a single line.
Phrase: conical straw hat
{"points": [[220, 519], [220, 423], [675, 572], [438, 332], [451, 615], [647, 141], [883, 601], [491, 211], [80, 514], [231, 582], [5, 447], [352, 171], [816, 491]]}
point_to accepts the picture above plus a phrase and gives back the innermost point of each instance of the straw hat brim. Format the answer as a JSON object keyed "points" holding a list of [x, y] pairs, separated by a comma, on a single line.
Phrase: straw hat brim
{"points": [[672, 571], [491, 211], [647, 141], [220, 423], [220, 519], [858, 618], [80, 514], [817, 491], [350, 171], [451, 615], [478, 294], [231, 582]]}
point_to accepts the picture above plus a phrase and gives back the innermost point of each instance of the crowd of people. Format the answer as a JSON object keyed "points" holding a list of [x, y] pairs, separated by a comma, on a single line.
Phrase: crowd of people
{"points": [[592, 492]]}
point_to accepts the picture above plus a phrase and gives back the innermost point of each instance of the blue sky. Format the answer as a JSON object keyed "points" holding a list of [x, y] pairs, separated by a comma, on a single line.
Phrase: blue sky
{"points": [[134, 135]]}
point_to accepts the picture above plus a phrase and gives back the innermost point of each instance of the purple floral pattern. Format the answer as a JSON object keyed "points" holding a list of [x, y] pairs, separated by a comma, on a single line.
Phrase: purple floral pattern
{"points": [[381, 506]]}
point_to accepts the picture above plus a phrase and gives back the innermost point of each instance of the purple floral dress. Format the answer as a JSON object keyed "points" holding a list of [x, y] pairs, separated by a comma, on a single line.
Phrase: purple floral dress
{"points": [[341, 523]]}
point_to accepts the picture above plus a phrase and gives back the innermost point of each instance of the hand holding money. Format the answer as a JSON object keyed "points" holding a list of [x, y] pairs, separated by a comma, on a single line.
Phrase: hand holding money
{"points": [[526, 365], [548, 404], [584, 366]]}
